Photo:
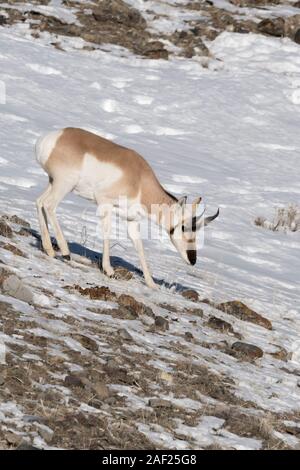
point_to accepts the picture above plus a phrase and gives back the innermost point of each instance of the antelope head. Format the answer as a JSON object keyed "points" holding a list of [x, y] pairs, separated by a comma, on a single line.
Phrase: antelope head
{"points": [[184, 226]]}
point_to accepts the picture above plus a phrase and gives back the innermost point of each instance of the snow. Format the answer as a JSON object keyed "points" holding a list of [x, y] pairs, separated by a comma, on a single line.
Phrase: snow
{"points": [[55, 8], [228, 132], [266, 11], [164, 16]]}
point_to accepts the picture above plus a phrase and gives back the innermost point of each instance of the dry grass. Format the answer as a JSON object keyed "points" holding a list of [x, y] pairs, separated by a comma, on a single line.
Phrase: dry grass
{"points": [[285, 219]]}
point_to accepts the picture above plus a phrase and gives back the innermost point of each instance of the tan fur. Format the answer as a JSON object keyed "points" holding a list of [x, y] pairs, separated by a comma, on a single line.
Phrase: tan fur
{"points": [[105, 172], [138, 177]]}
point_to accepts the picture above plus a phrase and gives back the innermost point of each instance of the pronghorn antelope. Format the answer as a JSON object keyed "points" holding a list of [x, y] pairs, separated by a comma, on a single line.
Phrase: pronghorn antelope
{"points": [[102, 171]]}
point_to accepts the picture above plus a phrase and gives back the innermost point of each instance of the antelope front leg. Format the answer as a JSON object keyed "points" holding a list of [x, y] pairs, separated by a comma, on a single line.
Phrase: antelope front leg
{"points": [[45, 237], [106, 214], [134, 234]]}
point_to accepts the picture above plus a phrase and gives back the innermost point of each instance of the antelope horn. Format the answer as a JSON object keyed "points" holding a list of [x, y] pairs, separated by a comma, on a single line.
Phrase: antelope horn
{"points": [[207, 220]]}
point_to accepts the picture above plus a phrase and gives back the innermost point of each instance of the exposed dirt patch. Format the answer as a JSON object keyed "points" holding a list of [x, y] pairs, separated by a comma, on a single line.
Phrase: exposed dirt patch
{"points": [[5, 230], [250, 425], [13, 249], [241, 311], [201, 379], [282, 354], [15, 219], [122, 274], [219, 324], [95, 293], [133, 306]]}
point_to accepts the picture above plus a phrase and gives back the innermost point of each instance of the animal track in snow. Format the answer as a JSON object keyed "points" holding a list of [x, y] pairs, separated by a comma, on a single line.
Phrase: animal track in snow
{"points": [[120, 84], [143, 100], [109, 105], [133, 129], [43, 69], [152, 78], [254, 121], [188, 179], [275, 146], [96, 86], [12, 117], [169, 131], [294, 97], [21, 182]]}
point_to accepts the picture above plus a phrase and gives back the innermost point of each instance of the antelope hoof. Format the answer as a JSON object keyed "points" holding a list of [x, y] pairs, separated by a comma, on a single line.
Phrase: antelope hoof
{"points": [[67, 257], [109, 272], [151, 284], [50, 252]]}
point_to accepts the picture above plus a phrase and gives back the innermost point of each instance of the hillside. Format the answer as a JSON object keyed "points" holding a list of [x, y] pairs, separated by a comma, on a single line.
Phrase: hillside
{"points": [[211, 359]]}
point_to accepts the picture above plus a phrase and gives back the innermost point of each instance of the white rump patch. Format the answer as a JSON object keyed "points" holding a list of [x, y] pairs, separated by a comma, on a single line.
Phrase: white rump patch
{"points": [[45, 146], [96, 177]]}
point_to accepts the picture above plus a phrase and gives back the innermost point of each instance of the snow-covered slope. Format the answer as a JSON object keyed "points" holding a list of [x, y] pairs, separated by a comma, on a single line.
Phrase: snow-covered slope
{"points": [[228, 132]]}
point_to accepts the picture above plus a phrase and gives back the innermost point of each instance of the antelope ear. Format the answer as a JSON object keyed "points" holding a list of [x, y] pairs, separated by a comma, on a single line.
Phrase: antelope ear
{"points": [[197, 201], [182, 201]]}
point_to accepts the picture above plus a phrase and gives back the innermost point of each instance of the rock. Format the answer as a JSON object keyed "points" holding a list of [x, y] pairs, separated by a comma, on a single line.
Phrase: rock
{"points": [[188, 336], [15, 219], [188, 52], [4, 274], [281, 354], [95, 293], [13, 249], [12, 439], [155, 50], [198, 312], [218, 324], [136, 308], [86, 342], [246, 351], [23, 232], [101, 390], [272, 27], [161, 323], [124, 334], [122, 274], [170, 308], [117, 11], [130, 304], [190, 294], [46, 433], [241, 311], [293, 430], [123, 313], [297, 36], [291, 26], [15, 287], [2, 380], [74, 381], [159, 403], [296, 5], [5, 230]]}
